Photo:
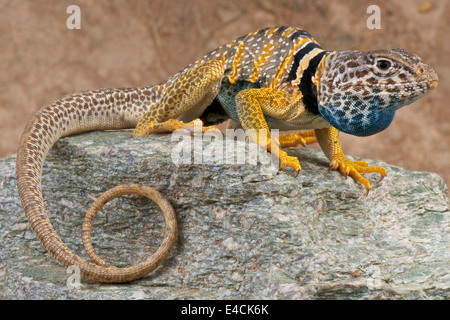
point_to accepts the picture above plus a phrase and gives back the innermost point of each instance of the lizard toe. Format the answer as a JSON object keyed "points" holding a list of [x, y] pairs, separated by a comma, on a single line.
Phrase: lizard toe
{"points": [[355, 168]]}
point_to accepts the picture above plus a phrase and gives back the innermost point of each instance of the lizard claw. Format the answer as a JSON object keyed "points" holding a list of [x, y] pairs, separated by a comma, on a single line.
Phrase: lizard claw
{"points": [[355, 168], [295, 139], [289, 161]]}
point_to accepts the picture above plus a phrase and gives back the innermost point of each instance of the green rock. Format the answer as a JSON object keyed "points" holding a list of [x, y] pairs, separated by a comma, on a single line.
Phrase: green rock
{"points": [[245, 231]]}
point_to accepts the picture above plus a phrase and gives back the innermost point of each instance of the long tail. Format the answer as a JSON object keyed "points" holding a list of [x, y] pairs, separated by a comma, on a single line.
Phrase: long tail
{"points": [[86, 111]]}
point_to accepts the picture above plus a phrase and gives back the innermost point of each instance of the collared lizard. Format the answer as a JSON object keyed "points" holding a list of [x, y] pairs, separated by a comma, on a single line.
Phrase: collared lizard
{"points": [[272, 78]]}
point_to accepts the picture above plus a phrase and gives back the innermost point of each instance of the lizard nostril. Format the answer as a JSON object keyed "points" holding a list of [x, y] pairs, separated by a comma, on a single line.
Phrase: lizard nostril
{"points": [[420, 70]]}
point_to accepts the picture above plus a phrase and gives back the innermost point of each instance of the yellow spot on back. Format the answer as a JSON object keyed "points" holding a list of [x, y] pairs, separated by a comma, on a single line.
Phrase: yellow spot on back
{"points": [[286, 62], [258, 63], [288, 32], [235, 64], [223, 59]]}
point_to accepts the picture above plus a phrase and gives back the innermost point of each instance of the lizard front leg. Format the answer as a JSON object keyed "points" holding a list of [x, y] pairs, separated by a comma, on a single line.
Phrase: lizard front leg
{"points": [[330, 143], [194, 88], [252, 104]]}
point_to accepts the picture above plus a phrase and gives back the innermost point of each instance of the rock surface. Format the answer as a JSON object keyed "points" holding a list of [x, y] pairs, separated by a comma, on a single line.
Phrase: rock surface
{"points": [[245, 231]]}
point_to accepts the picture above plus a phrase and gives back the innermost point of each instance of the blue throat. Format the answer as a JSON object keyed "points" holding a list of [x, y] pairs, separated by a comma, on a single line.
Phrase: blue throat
{"points": [[358, 118]]}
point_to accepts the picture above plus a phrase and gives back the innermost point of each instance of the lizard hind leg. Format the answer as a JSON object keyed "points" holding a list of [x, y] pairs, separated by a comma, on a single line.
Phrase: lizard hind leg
{"points": [[186, 96], [294, 139]]}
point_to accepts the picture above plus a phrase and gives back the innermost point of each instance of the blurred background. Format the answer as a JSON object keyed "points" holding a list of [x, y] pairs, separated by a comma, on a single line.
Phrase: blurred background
{"points": [[138, 42]]}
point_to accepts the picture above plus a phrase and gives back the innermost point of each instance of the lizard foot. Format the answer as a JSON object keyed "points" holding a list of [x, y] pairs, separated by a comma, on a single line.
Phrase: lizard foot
{"points": [[355, 168], [289, 161], [294, 139]]}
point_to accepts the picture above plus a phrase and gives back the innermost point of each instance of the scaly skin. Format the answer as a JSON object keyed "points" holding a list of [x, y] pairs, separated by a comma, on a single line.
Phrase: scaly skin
{"points": [[273, 78]]}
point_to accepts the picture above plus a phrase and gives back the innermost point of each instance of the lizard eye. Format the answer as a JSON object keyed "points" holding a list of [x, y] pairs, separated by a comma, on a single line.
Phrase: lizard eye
{"points": [[383, 64]]}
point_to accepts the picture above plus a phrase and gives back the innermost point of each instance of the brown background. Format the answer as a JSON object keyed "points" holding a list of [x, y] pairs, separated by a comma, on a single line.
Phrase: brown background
{"points": [[136, 42]]}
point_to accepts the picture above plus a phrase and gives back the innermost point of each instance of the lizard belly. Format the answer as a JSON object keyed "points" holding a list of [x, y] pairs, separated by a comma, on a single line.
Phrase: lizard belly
{"points": [[228, 92], [306, 121]]}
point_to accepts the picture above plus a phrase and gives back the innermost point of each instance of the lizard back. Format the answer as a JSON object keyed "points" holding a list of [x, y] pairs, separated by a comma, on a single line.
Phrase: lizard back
{"points": [[281, 58]]}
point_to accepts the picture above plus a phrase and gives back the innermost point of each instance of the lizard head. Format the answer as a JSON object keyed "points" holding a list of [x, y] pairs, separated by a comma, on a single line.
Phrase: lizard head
{"points": [[359, 92]]}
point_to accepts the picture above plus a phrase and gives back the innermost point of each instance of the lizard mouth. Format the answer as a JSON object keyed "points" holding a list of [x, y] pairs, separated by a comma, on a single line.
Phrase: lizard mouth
{"points": [[434, 84], [430, 84]]}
